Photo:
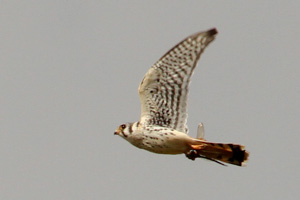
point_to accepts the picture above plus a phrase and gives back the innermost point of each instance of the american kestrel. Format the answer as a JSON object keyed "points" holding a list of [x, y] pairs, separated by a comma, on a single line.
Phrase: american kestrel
{"points": [[163, 94]]}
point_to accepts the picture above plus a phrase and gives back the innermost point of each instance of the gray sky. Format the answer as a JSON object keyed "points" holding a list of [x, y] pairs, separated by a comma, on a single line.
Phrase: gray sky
{"points": [[69, 76]]}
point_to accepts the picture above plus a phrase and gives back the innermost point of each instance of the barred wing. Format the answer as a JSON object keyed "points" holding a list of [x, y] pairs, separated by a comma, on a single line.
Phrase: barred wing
{"points": [[163, 91]]}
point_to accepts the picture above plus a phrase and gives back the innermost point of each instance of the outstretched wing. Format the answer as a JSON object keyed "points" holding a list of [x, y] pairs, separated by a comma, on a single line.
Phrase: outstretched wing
{"points": [[163, 91]]}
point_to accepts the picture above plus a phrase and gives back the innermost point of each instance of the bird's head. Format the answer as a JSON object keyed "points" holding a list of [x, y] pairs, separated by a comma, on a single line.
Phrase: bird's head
{"points": [[124, 130]]}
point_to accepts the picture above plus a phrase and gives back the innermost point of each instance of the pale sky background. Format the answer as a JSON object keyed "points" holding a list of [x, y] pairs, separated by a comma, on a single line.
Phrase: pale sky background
{"points": [[69, 76]]}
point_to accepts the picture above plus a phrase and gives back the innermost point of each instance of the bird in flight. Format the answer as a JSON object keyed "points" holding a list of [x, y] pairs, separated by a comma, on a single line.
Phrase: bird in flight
{"points": [[163, 94]]}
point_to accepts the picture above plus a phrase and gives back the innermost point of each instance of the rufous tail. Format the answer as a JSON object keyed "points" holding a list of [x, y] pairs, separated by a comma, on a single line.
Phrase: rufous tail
{"points": [[228, 153]]}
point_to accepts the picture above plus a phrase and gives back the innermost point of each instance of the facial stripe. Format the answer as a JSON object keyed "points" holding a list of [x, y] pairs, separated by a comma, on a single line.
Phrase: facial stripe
{"points": [[124, 134], [130, 128]]}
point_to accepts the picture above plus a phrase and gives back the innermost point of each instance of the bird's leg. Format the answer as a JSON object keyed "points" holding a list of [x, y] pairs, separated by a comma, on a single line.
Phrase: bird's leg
{"points": [[192, 154]]}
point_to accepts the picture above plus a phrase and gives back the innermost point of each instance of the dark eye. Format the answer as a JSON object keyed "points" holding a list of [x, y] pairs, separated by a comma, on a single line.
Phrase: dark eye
{"points": [[123, 126]]}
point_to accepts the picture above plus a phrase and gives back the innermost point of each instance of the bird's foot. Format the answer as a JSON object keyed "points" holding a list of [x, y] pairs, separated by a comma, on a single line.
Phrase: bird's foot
{"points": [[192, 154]]}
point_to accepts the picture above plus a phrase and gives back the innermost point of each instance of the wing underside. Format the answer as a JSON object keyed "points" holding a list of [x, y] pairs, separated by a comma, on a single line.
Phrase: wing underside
{"points": [[164, 89]]}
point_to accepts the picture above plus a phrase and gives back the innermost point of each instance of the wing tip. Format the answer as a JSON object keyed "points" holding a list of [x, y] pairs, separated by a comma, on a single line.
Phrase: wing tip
{"points": [[212, 32]]}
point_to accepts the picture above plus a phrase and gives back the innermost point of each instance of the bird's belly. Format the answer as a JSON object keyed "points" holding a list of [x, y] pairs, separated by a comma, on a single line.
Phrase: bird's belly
{"points": [[163, 144]]}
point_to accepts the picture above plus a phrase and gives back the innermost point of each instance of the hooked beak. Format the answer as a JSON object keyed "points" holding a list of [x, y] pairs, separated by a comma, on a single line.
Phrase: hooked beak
{"points": [[117, 132]]}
